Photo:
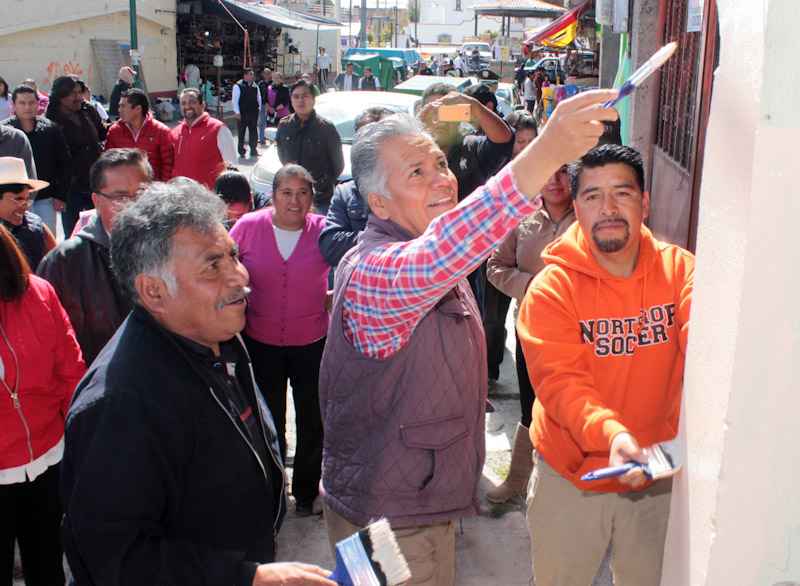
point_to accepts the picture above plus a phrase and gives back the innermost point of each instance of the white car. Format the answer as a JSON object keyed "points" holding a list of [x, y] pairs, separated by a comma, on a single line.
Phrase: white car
{"points": [[341, 108], [508, 99], [485, 52]]}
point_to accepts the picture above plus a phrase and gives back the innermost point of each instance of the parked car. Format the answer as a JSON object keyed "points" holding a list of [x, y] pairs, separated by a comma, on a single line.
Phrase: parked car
{"points": [[552, 68], [508, 99], [419, 83], [468, 54], [341, 108]]}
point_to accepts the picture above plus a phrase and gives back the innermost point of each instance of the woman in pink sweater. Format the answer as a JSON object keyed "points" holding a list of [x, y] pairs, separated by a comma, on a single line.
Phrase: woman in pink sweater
{"points": [[287, 317]]}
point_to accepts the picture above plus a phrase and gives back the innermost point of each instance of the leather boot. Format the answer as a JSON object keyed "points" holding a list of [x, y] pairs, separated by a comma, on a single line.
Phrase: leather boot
{"points": [[516, 484]]}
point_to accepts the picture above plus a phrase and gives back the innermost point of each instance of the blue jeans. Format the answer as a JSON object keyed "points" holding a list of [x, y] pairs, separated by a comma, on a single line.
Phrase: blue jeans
{"points": [[262, 124], [44, 209]]}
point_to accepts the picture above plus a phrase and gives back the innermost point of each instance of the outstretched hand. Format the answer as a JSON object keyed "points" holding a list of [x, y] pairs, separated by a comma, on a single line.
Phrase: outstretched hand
{"points": [[573, 129]]}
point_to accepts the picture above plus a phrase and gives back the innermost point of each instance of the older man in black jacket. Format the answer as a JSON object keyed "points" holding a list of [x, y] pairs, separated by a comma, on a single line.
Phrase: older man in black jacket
{"points": [[80, 268], [171, 472], [312, 142]]}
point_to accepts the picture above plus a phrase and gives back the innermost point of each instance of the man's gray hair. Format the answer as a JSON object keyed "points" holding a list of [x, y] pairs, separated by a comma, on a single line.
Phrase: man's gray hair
{"points": [[369, 170], [141, 241]]}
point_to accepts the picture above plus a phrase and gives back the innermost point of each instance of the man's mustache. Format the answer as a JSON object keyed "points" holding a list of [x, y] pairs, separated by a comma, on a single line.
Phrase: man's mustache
{"points": [[234, 297], [610, 222]]}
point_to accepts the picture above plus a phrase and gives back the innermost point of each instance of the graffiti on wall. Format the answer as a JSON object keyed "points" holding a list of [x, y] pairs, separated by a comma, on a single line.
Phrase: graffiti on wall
{"points": [[57, 69]]}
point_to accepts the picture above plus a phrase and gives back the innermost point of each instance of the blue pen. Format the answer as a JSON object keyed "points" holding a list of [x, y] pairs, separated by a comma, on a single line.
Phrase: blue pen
{"points": [[646, 70], [614, 471]]}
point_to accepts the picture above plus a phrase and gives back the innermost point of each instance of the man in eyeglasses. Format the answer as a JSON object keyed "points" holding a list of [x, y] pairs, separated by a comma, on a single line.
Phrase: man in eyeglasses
{"points": [[80, 268]]}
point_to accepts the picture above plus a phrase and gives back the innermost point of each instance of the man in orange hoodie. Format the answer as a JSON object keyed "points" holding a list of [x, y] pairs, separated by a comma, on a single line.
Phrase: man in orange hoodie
{"points": [[604, 327]]}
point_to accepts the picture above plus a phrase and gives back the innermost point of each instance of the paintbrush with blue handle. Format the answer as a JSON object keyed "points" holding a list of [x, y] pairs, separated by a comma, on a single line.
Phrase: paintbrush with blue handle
{"points": [[662, 462], [647, 69], [370, 557]]}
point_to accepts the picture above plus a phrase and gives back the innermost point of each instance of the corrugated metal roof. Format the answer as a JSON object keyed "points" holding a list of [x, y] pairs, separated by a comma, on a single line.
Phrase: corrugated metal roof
{"points": [[277, 16]]}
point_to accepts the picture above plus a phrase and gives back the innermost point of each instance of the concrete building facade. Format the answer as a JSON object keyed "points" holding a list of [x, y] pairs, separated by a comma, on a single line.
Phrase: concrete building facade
{"points": [[90, 38]]}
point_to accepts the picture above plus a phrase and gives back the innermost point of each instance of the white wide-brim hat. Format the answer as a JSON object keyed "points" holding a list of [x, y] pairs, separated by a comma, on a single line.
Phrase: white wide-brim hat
{"points": [[12, 170]]}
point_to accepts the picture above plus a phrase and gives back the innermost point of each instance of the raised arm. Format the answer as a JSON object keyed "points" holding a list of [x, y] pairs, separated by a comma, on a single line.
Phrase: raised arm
{"points": [[395, 285]]}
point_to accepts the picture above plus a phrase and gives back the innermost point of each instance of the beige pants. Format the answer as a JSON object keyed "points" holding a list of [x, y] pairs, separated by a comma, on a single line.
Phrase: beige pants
{"points": [[571, 529], [430, 550]]}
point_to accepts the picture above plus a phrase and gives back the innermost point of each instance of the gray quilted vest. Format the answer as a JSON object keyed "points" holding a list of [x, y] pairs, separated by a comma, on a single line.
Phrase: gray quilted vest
{"points": [[404, 436]]}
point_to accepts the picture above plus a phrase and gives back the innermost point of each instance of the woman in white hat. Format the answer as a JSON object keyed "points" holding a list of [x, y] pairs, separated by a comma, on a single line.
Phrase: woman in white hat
{"points": [[32, 235]]}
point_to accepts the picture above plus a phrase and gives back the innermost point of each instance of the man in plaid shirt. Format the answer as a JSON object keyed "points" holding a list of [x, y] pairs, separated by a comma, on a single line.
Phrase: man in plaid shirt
{"points": [[403, 379]]}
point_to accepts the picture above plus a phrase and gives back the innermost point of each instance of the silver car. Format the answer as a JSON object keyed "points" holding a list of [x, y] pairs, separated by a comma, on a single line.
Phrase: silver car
{"points": [[341, 108]]}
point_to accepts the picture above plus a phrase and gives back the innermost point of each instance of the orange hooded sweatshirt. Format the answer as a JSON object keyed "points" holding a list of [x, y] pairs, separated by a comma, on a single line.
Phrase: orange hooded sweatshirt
{"points": [[605, 354]]}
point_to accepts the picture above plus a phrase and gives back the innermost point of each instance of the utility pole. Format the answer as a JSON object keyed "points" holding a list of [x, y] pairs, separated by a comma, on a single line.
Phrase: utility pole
{"points": [[136, 58], [362, 36], [416, 22]]}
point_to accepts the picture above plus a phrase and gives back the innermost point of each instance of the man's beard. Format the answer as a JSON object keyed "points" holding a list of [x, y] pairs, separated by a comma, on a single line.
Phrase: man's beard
{"points": [[611, 244]]}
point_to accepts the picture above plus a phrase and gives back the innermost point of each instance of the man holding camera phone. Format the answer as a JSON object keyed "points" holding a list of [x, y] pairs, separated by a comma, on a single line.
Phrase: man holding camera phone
{"points": [[473, 158]]}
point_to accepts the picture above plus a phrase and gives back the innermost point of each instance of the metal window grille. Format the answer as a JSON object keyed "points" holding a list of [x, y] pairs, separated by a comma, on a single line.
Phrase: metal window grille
{"points": [[677, 121]]}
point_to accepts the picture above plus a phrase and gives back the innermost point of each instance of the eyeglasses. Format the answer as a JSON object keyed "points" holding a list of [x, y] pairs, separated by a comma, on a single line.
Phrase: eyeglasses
{"points": [[118, 197]]}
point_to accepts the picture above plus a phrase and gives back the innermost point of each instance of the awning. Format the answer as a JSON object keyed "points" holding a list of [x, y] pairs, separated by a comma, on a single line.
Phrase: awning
{"points": [[519, 8], [276, 16]]}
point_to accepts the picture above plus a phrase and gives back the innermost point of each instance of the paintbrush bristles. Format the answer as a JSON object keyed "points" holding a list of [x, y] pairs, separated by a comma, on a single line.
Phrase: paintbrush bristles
{"points": [[658, 463], [651, 65], [386, 552]]}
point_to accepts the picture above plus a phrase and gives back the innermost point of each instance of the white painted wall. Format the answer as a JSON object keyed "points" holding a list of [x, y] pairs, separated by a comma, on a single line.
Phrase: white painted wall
{"points": [[736, 509], [440, 17], [33, 14], [58, 41]]}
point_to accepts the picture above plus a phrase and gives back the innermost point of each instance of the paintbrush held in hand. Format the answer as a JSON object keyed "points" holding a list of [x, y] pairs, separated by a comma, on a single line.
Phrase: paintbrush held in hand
{"points": [[663, 461], [370, 557], [647, 69]]}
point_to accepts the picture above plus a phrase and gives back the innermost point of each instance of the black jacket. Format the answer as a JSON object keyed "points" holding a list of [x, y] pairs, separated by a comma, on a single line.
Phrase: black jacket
{"points": [[160, 485], [51, 154], [30, 237], [475, 159], [116, 94], [317, 146], [84, 138], [80, 271]]}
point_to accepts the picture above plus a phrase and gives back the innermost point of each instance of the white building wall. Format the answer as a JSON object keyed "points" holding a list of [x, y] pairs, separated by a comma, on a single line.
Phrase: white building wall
{"points": [[441, 17], [736, 508], [44, 44]]}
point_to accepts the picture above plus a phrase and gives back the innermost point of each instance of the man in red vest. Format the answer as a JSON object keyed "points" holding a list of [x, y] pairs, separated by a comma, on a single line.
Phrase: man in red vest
{"points": [[136, 128], [203, 144]]}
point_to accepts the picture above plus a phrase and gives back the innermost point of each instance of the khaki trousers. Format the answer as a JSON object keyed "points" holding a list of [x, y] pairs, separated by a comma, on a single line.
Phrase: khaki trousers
{"points": [[429, 550], [571, 530]]}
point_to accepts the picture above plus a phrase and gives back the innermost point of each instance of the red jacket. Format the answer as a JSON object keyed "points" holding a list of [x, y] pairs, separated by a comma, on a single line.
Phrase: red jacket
{"points": [[50, 364], [197, 155], [154, 139]]}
